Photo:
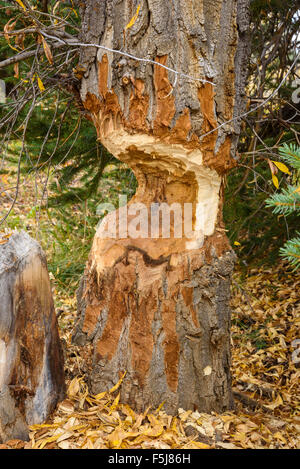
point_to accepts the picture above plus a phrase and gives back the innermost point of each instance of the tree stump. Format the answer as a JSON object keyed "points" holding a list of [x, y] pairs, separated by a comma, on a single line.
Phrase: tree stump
{"points": [[31, 358]]}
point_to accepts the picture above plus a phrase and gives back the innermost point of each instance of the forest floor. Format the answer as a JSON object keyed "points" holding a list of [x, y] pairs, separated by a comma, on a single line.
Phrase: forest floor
{"points": [[266, 377]]}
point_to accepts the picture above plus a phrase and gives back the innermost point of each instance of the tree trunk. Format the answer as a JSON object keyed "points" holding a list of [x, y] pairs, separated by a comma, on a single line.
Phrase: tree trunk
{"points": [[31, 359], [152, 304]]}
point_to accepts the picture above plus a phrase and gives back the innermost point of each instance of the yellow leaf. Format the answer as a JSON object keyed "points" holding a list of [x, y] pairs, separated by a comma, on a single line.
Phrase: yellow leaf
{"points": [[74, 387], [279, 436], [114, 404], [174, 425], [55, 7], [227, 418], [21, 4], [278, 402], [275, 181], [40, 84], [200, 445], [42, 443], [128, 411], [118, 384], [153, 420], [239, 436], [134, 18], [116, 437], [75, 12], [183, 415], [100, 396], [38, 426], [154, 432], [208, 370], [160, 407], [47, 51], [8, 28], [66, 407], [236, 243], [73, 9], [282, 167]]}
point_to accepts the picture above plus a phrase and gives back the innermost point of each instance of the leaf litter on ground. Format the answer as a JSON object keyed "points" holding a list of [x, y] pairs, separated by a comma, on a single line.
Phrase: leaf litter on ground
{"points": [[265, 309]]}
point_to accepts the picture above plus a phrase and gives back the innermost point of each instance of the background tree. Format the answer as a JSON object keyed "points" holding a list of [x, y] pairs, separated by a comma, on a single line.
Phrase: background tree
{"points": [[274, 48]]}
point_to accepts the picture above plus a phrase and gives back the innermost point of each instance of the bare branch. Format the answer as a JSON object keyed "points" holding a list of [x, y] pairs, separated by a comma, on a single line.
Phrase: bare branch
{"points": [[26, 55]]}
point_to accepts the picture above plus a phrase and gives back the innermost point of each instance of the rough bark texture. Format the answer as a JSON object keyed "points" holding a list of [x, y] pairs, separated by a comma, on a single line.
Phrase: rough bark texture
{"points": [[31, 359], [158, 308]]}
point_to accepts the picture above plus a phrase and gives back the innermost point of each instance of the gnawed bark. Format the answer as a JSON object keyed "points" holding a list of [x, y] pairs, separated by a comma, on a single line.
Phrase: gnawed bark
{"points": [[31, 359], [166, 325], [157, 308]]}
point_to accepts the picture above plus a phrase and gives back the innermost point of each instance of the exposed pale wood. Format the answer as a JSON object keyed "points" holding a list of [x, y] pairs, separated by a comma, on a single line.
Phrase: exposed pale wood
{"points": [[31, 359], [158, 308]]}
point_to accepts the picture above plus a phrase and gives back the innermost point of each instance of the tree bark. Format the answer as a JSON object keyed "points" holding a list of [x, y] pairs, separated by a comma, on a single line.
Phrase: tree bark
{"points": [[31, 359], [157, 307]]}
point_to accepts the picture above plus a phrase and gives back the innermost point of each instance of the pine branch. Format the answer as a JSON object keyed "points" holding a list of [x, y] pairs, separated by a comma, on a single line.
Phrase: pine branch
{"points": [[291, 155], [286, 202], [291, 252]]}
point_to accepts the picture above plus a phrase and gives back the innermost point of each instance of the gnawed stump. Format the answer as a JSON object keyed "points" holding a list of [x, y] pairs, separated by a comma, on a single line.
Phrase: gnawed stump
{"points": [[167, 326], [31, 358]]}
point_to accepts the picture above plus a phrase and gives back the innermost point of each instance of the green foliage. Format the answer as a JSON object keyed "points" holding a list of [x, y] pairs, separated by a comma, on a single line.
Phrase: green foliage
{"points": [[291, 155], [288, 202], [274, 44], [291, 252], [249, 221]]}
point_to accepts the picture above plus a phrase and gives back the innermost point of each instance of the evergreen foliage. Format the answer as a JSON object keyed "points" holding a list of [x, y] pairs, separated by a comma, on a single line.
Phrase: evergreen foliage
{"points": [[288, 201]]}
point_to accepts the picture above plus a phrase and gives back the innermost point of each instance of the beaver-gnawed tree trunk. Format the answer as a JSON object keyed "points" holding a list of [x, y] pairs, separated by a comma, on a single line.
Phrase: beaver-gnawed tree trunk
{"points": [[157, 307]]}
